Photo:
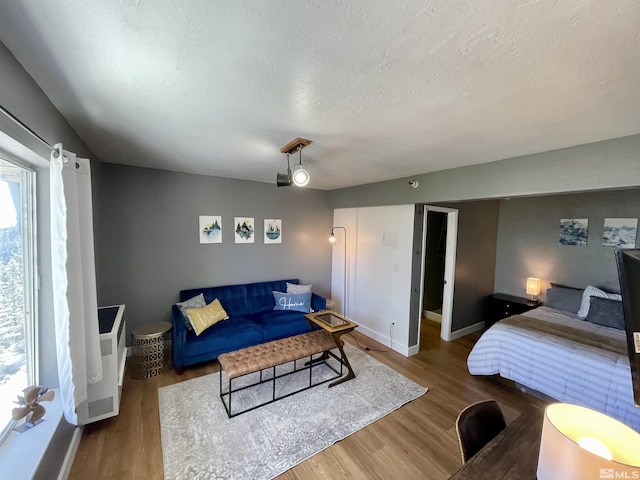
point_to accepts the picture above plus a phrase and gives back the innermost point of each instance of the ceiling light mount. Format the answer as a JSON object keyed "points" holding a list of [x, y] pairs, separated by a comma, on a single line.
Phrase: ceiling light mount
{"points": [[295, 145], [300, 176]]}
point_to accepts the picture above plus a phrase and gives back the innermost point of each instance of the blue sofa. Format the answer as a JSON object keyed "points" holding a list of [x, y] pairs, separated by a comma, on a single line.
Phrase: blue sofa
{"points": [[252, 320]]}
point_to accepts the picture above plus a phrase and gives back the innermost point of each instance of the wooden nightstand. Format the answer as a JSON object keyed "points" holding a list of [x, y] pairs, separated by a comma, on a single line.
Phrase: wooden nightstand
{"points": [[501, 305]]}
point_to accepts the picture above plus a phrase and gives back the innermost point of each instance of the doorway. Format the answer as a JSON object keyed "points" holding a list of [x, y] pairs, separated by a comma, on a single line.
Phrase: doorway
{"points": [[438, 267], [435, 249]]}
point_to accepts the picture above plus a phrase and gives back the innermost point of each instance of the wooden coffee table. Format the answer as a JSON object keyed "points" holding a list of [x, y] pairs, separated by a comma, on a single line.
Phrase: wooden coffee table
{"points": [[336, 325]]}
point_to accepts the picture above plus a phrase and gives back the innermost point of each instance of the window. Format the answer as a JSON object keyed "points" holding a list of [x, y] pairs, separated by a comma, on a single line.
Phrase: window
{"points": [[17, 287]]}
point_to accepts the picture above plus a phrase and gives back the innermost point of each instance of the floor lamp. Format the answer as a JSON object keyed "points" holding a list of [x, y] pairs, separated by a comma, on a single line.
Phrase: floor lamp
{"points": [[332, 241]]}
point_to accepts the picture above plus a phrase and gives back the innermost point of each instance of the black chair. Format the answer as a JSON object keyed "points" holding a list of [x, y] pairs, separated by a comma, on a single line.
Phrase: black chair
{"points": [[477, 425]]}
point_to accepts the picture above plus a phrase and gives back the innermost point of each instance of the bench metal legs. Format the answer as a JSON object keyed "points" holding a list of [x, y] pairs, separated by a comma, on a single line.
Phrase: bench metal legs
{"points": [[310, 364]]}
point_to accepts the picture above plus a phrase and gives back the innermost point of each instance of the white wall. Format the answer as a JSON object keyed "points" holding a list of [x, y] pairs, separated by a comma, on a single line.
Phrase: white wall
{"points": [[378, 274]]}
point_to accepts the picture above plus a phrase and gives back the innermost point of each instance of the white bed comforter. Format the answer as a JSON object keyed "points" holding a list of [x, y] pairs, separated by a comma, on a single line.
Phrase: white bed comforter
{"points": [[559, 368]]}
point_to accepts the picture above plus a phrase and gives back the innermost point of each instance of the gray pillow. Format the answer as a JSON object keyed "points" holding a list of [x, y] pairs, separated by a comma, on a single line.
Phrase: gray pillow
{"points": [[194, 302], [567, 299], [606, 312], [294, 288]]}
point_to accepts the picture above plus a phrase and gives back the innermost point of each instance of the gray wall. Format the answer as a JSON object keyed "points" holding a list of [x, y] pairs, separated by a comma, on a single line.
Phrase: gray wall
{"points": [[475, 260], [528, 235], [595, 166], [149, 247]]}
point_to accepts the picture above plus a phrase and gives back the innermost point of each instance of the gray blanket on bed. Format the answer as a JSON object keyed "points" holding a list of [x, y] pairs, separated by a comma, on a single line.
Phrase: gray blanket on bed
{"points": [[574, 335]]}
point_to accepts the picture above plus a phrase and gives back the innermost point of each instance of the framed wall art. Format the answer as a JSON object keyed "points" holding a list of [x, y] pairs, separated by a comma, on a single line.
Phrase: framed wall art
{"points": [[210, 228], [272, 230], [573, 231], [244, 230], [620, 232]]}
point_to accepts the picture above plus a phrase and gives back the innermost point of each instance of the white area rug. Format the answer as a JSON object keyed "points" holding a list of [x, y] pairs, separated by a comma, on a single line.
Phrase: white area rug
{"points": [[199, 441]]}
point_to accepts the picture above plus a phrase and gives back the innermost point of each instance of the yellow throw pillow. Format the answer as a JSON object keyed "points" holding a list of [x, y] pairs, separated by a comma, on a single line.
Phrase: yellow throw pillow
{"points": [[202, 318]]}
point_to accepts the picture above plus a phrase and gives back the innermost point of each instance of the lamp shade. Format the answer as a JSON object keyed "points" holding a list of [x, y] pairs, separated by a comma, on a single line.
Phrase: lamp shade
{"points": [[579, 443], [284, 179], [533, 286]]}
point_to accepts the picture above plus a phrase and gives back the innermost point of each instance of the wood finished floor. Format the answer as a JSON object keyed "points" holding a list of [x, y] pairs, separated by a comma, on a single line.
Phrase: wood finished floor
{"points": [[417, 441]]}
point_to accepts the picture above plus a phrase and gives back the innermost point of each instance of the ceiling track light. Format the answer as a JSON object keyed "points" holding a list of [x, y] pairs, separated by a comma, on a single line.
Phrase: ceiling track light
{"points": [[284, 179], [300, 176], [300, 173]]}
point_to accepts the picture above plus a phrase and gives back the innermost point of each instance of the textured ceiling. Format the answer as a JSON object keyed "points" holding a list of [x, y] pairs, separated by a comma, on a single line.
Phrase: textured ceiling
{"points": [[385, 89]]}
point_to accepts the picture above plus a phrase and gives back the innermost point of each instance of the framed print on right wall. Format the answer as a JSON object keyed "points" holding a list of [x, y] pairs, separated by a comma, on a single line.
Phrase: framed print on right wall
{"points": [[620, 232]]}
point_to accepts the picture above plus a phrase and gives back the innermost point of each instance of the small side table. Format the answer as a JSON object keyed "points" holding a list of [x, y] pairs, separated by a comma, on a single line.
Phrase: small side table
{"points": [[501, 305], [152, 352], [342, 326]]}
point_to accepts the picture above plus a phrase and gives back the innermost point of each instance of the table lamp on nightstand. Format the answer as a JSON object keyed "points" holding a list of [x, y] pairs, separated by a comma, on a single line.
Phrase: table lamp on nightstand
{"points": [[533, 287]]}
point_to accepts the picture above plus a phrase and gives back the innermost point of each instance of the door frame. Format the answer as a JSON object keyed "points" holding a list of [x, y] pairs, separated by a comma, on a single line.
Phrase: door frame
{"points": [[449, 268]]}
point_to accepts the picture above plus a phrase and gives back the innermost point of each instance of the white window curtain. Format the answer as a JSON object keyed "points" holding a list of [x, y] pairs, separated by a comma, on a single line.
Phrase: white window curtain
{"points": [[74, 279]]}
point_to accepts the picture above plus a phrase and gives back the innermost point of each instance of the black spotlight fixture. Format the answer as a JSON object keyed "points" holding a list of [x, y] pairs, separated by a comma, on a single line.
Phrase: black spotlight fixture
{"points": [[285, 179]]}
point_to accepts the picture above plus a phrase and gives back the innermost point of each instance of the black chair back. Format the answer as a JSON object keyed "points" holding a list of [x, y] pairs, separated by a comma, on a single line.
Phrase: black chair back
{"points": [[477, 425]]}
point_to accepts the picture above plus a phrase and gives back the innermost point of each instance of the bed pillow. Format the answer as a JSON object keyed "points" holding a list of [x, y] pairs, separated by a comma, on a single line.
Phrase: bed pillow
{"points": [[592, 291], [293, 288], [567, 299], [205, 317], [293, 302], [194, 302], [606, 312], [559, 285]]}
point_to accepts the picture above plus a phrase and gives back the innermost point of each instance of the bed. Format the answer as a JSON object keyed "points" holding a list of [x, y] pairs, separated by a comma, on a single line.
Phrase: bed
{"points": [[567, 358]]}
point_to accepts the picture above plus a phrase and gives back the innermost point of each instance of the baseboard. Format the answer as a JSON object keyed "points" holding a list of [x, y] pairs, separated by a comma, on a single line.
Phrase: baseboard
{"points": [[433, 316], [409, 351], [467, 330], [65, 470], [396, 347]]}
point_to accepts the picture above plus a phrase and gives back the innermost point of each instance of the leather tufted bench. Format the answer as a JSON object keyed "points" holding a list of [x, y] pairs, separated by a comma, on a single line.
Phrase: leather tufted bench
{"points": [[272, 354]]}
